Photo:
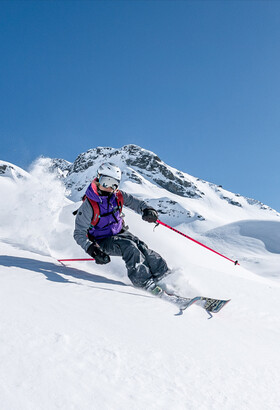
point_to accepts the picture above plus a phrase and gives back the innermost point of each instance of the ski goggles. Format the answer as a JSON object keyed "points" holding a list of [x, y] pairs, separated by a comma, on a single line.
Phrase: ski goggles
{"points": [[108, 182]]}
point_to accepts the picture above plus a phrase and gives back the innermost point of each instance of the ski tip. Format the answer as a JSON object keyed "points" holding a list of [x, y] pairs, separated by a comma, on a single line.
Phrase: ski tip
{"points": [[181, 311], [210, 314]]}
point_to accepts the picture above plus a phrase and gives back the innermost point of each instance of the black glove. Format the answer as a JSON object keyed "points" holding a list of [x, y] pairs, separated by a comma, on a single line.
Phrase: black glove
{"points": [[150, 214], [100, 257]]}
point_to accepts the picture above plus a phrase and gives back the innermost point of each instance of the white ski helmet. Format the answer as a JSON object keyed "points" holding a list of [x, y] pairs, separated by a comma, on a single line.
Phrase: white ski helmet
{"points": [[109, 174]]}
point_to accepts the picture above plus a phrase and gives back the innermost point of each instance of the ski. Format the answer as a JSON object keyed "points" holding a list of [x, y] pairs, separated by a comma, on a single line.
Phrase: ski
{"points": [[209, 304]]}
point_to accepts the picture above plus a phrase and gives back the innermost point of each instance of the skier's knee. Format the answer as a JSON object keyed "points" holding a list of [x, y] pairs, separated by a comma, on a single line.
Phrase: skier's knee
{"points": [[131, 254]]}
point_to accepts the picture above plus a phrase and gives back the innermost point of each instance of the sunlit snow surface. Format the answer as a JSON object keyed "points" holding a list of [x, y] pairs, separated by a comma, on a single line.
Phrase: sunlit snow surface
{"points": [[81, 337]]}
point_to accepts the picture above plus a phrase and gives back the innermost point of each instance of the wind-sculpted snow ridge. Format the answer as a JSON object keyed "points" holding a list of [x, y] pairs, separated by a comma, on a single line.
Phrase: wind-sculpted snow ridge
{"points": [[256, 244]]}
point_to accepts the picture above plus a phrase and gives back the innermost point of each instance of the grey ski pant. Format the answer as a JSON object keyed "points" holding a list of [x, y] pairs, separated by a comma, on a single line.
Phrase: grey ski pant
{"points": [[142, 263]]}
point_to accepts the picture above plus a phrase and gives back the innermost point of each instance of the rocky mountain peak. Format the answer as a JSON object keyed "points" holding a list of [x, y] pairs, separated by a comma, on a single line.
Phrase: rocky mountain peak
{"points": [[135, 161]]}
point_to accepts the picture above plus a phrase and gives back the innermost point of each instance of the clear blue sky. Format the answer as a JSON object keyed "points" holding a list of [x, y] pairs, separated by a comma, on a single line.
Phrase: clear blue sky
{"points": [[197, 82]]}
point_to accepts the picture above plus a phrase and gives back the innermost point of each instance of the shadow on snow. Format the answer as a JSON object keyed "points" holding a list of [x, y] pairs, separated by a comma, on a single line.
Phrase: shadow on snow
{"points": [[53, 272]]}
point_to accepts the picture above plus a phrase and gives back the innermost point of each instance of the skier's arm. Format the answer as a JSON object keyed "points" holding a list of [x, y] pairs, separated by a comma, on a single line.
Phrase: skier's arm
{"points": [[149, 214], [82, 223], [133, 203]]}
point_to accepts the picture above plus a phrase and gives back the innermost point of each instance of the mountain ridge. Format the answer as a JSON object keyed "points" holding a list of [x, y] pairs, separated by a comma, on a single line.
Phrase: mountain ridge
{"points": [[143, 167], [178, 196]]}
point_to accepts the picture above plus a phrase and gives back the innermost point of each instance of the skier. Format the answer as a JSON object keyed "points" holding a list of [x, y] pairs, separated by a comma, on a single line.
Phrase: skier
{"points": [[101, 232]]}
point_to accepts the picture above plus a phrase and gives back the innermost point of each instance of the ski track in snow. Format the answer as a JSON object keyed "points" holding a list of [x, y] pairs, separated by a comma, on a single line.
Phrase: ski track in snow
{"points": [[81, 337]]}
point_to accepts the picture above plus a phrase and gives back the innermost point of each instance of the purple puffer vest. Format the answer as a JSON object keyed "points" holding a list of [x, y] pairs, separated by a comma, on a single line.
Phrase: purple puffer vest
{"points": [[108, 225]]}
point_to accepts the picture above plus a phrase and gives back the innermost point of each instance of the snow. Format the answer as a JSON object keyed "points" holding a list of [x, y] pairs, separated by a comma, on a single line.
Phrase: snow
{"points": [[81, 337]]}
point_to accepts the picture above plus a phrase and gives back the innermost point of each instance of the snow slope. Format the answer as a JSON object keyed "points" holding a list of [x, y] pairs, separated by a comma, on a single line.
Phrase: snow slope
{"points": [[80, 337]]}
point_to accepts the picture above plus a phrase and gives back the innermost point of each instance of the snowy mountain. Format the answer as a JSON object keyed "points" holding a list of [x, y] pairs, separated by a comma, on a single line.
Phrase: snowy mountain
{"points": [[178, 196], [81, 337]]}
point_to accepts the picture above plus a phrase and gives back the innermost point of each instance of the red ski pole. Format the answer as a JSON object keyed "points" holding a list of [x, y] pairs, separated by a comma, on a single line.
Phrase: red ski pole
{"points": [[194, 240], [73, 260]]}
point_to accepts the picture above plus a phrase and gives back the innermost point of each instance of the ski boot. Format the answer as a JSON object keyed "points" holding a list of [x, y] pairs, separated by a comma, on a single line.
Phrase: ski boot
{"points": [[153, 288]]}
